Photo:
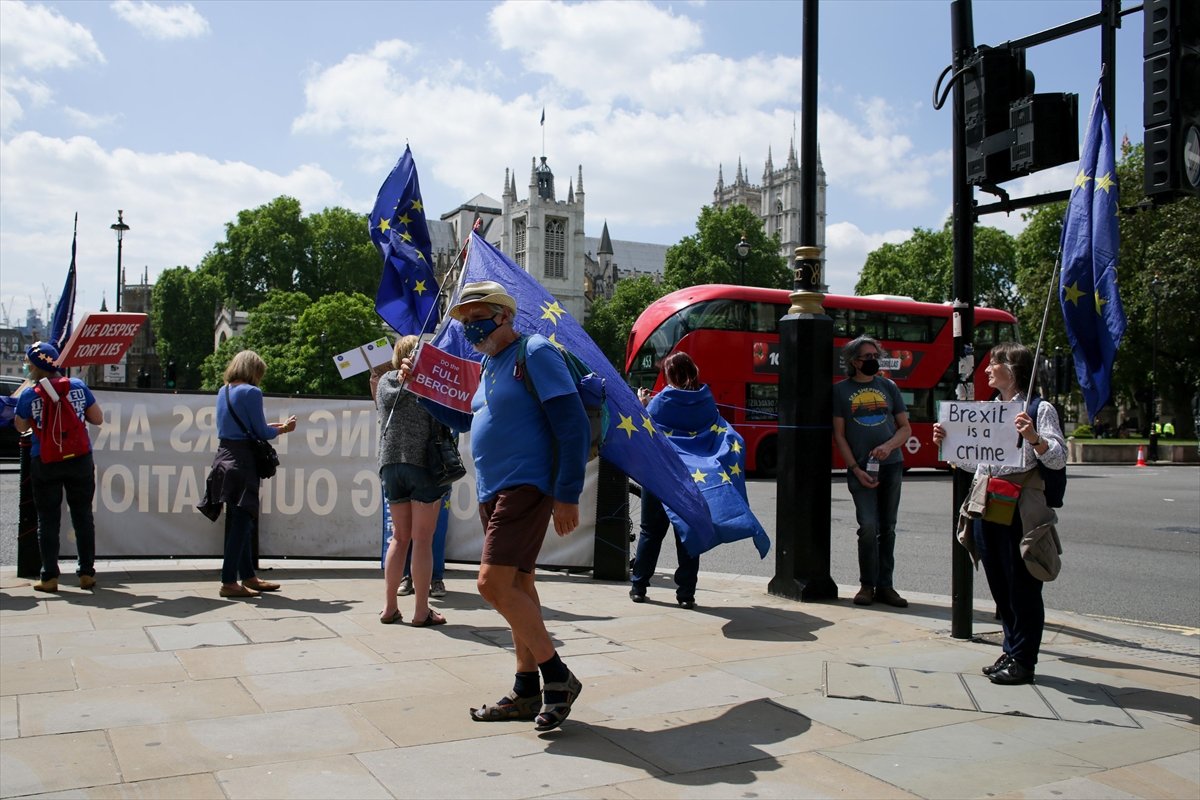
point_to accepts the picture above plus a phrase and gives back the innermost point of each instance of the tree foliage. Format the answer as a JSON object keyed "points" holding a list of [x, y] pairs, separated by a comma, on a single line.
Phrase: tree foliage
{"points": [[184, 306], [922, 267], [264, 250], [341, 257], [710, 255], [613, 318]]}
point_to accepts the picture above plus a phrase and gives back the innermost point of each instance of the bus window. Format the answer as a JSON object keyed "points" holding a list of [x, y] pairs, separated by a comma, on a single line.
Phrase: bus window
{"points": [[720, 315], [764, 317], [985, 335], [762, 401], [841, 322], [1006, 332], [920, 404], [865, 323], [913, 328]]}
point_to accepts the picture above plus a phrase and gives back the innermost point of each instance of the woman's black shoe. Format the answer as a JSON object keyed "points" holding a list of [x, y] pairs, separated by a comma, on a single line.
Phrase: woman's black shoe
{"points": [[1001, 662], [688, 604], [1011, 674], [637, 595]]}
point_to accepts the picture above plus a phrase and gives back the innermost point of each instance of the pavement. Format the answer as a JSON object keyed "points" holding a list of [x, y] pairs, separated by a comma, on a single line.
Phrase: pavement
{"points": [[152, 686]]}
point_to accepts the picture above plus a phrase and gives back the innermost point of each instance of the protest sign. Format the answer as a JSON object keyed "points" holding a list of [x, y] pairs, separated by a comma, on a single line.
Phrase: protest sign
{"points": [[444, 378], [980, 433], [102, 337], [364, 357]]}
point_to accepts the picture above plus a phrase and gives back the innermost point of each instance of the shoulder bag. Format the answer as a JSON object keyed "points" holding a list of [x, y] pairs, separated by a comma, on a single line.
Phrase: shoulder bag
{"points": [[266, 460], [442, 458]]}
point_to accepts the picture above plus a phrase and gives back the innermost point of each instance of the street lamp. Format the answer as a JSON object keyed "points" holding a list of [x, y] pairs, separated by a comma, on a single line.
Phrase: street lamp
{"points": [[743, 250], [120, 227], [1155, 286]]}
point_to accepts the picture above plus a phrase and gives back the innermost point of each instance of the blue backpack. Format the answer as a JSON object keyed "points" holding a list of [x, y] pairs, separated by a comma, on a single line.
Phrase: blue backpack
{"points": [[1055, 479], [590, 386]]}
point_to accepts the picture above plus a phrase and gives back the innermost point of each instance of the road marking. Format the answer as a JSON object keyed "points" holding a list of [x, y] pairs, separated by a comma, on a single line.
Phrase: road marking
{"points": [[1162, 626]]}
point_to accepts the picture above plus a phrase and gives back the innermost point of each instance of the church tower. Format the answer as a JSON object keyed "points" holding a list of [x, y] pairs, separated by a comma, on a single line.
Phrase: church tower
{"points": [[777, 202], [544, 235]]}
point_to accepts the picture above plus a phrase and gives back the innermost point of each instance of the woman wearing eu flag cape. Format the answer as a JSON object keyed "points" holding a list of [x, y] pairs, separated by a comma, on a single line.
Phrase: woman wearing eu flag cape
{"points": [[684, 405]]}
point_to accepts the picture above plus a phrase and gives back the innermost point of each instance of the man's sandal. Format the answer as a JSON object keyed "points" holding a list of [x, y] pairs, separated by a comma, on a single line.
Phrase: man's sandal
{"points": [[554, 714], [508, 707]]}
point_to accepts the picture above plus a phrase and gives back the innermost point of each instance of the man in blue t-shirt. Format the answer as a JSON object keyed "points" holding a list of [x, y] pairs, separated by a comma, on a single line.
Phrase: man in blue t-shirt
{"points": [[75, 476], [530, 451], [870, 422]]}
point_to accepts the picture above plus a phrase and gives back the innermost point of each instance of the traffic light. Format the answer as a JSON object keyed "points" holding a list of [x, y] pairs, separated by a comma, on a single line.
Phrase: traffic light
{"points": [[1171, 107], [1010, 131], [169, 375], [143, 379]]}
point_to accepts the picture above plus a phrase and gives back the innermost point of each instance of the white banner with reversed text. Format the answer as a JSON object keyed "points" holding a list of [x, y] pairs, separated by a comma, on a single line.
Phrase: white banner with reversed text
{"points": [[153, 454]]}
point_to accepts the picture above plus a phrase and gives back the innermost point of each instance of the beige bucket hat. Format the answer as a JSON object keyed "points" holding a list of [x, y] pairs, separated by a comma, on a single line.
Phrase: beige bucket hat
{"points": [[482, 292]]}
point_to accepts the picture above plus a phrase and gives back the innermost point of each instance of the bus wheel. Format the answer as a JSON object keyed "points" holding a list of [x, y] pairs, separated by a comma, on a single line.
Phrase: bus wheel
{"points": [[766, 460]]}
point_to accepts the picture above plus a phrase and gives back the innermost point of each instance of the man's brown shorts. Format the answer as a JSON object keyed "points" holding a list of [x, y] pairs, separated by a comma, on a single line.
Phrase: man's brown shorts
{"points": [[514, 525]]}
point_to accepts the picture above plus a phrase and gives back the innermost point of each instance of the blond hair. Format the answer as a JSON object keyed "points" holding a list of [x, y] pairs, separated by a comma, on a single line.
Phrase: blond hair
{"points": [[404, 347], [247, 367]]}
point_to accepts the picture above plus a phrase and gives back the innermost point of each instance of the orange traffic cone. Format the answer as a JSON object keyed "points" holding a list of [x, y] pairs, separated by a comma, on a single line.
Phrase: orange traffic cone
{"points": [[1141, 462]]}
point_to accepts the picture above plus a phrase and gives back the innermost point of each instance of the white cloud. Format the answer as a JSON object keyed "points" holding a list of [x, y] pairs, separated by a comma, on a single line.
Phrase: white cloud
{"points": [[162, 22], [35, 38], [83, 119], [176, 205], [846, 250]]}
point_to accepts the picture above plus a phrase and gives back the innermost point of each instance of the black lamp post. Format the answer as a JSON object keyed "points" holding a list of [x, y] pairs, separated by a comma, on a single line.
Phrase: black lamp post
{"points": [[743, 250], [120, 227], [1155, 286]]}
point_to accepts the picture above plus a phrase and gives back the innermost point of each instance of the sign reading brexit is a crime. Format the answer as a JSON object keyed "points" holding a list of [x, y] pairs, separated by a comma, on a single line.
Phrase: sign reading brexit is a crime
{"points": [[101, 337], [980, 433], [444, 378]]}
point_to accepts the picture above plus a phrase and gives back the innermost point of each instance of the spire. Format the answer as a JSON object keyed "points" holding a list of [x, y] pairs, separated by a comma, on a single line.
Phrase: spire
{"points": [[739, 180], [533, 175], [820, 168], [770, 167], [103, 302], [570, 191], [605, 247], [579, 180], [720, 177], [791, 162]]}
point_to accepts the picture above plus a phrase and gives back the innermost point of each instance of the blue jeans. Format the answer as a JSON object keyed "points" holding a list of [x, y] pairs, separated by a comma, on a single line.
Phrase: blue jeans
{"points": [[239, 558], [654, 529], [76, 478], [876, 510], [1018, 594]]}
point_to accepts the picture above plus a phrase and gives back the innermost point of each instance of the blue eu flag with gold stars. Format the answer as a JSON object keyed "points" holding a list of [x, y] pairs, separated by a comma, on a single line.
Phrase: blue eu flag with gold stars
{"points": [[1091, 305], [407, 294], [631, 442]]}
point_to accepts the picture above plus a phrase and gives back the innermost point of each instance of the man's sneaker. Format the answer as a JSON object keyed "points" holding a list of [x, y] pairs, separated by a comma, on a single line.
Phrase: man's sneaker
{"points": [[48, 585], [405, 587], [865, 596], [437, 589], [87, 581], [890, 597]]}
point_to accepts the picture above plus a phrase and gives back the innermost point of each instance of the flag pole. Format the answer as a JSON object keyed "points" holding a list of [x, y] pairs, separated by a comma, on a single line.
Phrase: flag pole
{"points": [[1042, 333]]}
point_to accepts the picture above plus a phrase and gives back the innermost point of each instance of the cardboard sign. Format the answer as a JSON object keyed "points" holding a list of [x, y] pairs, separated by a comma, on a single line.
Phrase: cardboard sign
{"points": [[980, 433], [101, 337], [445, 379], [364, 357]]}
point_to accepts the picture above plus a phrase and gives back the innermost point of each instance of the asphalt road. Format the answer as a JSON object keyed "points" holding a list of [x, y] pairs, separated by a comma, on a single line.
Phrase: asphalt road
{"points": [[1131, 539]]}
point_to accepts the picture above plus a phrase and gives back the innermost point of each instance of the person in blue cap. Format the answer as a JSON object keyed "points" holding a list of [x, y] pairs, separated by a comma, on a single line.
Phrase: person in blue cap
{"points": [[55, 408]]}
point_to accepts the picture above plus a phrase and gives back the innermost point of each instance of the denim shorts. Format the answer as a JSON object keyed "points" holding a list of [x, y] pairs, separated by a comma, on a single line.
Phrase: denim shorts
{"points": [[405, 482]]}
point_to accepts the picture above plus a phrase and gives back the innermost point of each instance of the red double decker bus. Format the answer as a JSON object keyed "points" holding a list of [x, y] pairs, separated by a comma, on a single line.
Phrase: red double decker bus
{"points": [[732, 333]]}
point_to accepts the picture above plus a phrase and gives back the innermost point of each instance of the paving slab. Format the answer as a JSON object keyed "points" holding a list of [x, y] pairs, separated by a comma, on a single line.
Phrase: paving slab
{"points": [[195, 634], [19, 648], [860, 682], [346, 685], [130, 669], [284, 629], [8, 718], [31, 677], [263, 659], [33, 764], [88, 642], [202, 786], [316, 779]]}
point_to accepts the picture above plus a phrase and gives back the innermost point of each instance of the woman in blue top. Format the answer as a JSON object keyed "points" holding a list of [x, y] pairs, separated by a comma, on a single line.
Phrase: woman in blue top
{"points": [[233, 480]]}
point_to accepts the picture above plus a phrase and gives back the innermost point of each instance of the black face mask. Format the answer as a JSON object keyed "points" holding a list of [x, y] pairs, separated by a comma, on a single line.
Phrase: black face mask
{"points": [[869, 366]]}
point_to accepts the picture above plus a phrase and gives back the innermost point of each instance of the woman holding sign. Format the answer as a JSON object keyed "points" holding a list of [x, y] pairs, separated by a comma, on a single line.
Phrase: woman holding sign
{"points": [[1014, 578], [412, 493]]}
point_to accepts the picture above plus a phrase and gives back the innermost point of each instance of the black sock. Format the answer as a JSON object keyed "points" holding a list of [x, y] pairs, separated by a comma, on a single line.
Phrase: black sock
{"points": [[554, 671], [527, 684]]}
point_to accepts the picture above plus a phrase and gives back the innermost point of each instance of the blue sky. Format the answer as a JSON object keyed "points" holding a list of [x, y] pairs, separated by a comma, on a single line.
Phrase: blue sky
{"points": [[184, 114]]}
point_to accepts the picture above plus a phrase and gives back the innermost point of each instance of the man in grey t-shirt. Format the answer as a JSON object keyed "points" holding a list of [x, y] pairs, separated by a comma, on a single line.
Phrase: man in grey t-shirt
{"points": [[870, 422]]}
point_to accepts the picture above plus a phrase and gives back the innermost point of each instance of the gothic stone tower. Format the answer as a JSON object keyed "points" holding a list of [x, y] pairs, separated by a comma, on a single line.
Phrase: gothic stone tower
{"points": [[544, 236], [777, 201]]}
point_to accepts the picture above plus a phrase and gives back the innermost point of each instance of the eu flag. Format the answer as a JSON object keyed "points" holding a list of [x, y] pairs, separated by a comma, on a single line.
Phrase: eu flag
{"points": [[631, 442], [64, 312], [408, 292], [1091, 306]]}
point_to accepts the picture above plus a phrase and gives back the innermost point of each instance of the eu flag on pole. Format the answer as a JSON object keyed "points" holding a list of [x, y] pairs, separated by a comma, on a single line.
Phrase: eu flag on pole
{"points": [[1091, 305], [631, 442], [64, 312], [407, 294]]}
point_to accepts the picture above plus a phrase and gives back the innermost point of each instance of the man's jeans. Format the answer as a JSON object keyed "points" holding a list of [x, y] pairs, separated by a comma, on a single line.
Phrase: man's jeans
{"points": [[876, 510], [655, 523]]}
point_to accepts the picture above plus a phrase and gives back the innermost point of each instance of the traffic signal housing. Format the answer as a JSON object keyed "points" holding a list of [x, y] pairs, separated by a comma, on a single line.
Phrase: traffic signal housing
{"points": [[169, 375], [1171, 103]]}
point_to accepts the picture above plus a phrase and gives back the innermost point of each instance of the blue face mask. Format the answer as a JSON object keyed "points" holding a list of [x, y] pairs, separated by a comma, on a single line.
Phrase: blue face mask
{"points": [[479, 330]]}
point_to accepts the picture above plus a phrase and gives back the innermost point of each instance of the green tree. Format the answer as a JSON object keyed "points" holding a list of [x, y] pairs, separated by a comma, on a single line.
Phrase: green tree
{"points": [[184, 305], [710, 255], [922, 267], [333, 324], [269, 332], [263, 250], [342, 257], [613, 318]]}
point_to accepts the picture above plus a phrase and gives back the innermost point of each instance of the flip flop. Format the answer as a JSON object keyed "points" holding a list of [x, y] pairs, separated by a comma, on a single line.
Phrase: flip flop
{"points": [[393, 619], [430, 620]]}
